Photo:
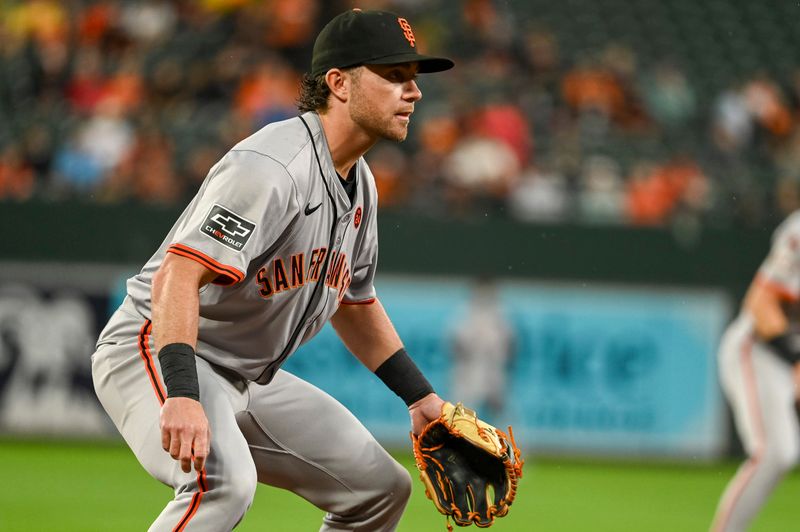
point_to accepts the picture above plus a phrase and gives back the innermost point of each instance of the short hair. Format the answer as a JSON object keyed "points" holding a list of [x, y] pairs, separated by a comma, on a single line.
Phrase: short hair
{"points": [[314, 91]]}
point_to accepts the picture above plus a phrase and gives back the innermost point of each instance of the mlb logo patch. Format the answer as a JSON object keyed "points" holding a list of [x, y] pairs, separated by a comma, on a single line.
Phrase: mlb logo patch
{"points": [[227, 227]]}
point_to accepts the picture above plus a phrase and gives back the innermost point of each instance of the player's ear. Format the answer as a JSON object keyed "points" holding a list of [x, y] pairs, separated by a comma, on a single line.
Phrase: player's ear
{"points": [[338, 83]]}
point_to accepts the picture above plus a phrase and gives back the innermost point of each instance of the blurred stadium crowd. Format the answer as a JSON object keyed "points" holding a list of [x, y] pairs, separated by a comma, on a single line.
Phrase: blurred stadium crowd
{"points": [[652, 112]]}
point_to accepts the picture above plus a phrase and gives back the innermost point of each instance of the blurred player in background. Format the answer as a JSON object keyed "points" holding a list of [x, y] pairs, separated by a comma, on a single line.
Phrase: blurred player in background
{"points": [[758, 361], [482, 343], [280, 239]]}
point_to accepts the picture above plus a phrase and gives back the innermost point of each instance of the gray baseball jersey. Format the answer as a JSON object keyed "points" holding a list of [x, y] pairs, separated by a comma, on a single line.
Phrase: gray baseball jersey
{"points": [[273, 220], [286, 241], [760, 388]]}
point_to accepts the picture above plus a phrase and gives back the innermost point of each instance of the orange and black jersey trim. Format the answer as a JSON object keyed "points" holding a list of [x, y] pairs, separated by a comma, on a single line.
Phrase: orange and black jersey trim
{"points": [[228, 275]]}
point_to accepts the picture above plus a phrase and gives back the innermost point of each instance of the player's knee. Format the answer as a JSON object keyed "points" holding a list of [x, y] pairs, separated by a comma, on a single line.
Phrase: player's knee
{"points": [[390, 486], [782, 458], [397, 486], [238, 490]]}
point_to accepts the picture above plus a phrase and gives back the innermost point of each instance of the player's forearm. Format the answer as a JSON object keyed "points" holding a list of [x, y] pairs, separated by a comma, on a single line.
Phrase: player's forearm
{"points": [[770, 322], [367, 332], [175, 315], [765, 307], [175, 306], [773, 326], [175, 298]]}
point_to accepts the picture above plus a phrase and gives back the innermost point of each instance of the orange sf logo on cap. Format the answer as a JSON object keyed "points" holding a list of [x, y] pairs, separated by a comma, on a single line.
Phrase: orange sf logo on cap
{"points": [[407, 33]]}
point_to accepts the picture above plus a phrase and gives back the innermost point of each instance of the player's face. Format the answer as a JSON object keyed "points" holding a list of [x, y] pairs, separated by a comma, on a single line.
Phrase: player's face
{"points": [[382, 99]]}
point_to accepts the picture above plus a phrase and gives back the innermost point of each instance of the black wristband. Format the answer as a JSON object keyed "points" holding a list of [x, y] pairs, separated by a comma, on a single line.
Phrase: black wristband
{"points": [[403, 377], [179, 369], [786, 346]]}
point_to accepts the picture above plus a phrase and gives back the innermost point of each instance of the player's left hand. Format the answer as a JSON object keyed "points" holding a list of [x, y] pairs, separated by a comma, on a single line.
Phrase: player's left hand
{"points": [[424, 411]]}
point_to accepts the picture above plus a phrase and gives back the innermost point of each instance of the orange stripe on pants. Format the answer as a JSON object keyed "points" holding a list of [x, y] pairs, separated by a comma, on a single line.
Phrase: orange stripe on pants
{"points": [[147, 357]]}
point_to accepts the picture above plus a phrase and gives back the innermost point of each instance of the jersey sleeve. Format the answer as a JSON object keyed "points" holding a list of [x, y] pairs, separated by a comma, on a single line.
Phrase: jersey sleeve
{"points": [[247, 201], [781, 268], [365, 264]]}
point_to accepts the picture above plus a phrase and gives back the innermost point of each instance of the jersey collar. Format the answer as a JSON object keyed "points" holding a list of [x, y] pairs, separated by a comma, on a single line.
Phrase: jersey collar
{"points": [[330, 175]]}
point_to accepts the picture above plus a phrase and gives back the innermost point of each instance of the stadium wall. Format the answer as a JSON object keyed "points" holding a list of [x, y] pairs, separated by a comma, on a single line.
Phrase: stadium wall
{"points": [[695, 256], [616, 328]]}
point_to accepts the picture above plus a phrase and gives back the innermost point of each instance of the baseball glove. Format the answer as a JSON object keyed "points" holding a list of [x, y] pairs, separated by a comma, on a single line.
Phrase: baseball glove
{"points": [[469, 468]]}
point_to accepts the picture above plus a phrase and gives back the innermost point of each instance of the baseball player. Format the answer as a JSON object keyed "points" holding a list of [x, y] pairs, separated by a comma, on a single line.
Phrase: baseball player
{"points": [[280, 238], [482, 343], [758, 364]]}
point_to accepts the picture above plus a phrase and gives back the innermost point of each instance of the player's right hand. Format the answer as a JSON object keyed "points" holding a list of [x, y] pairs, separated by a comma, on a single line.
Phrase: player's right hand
{"points": [[185, 434], [424, 411]]}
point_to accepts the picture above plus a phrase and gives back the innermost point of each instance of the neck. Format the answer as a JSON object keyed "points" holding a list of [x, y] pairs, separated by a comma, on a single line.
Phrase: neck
{"points": [[346, 140]]}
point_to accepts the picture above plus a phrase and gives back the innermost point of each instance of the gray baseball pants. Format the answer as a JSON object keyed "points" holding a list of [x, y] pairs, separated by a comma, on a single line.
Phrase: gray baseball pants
{"points": [[761, 391], [287, 434]]}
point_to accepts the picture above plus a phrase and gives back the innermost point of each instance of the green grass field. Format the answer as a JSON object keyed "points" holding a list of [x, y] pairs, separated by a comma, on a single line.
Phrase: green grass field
{"points": [[100, 487]]}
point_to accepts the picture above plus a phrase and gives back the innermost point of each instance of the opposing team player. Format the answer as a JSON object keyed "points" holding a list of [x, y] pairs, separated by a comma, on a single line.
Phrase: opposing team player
{"points": [[280, 239], [758, 360]]}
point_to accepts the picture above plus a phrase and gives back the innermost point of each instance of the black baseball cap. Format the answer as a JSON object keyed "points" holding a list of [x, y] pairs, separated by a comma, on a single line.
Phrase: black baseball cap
{"points": [[359, 37]]}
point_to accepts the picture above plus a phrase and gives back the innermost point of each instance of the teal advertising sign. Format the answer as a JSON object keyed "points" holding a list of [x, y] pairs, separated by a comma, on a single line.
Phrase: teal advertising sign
{"points": [[592, 369]]}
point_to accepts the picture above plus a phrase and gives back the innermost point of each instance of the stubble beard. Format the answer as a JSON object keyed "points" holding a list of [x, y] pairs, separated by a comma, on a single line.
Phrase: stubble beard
{"points": [[368, 116]]}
